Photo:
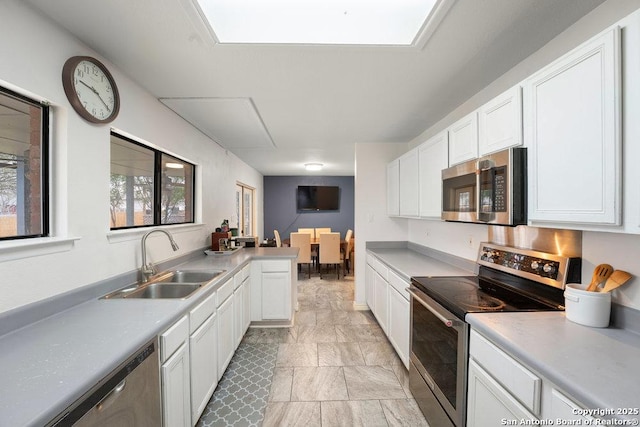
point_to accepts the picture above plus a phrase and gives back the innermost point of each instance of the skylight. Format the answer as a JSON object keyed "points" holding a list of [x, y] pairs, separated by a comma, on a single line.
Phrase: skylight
{"points": [[332, 22]]}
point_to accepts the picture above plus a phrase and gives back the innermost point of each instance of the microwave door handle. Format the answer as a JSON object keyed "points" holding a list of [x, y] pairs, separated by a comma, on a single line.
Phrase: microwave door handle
{"points": [[447, 322]]}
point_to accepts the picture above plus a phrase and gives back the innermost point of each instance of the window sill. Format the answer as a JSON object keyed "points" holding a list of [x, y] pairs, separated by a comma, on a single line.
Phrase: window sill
{"points": [[117, 236], [25, 248]]}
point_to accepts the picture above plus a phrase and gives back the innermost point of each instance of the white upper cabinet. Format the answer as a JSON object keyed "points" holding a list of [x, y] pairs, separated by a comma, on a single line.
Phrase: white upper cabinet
{"points": [[572, 131], [433, 156], [500, 122], [393, 188], [463, 139], [409, 192]]}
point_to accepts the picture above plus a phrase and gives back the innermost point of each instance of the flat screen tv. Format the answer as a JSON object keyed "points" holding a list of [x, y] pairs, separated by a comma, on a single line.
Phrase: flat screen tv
{"points": [[318, 198]]}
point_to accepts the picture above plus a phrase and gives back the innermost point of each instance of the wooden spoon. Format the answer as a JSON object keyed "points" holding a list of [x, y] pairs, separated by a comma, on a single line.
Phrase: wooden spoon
{"points": [[618, 278], [600, 274]]}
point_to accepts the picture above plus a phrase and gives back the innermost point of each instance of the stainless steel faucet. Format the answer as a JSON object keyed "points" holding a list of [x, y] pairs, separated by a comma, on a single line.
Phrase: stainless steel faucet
{"points": [[148, 270]]}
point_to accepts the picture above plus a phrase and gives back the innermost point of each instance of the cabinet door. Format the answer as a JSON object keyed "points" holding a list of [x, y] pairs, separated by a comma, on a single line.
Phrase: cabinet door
{"points": [[393, 188], [463, 139], [433, 156], [176, 402], [399, 325], [409, 195], [488, 404], [381, 300], [225, 335], [563, 408], [500, 122], [572, 131], [246, 302], [369, 287], [204, 366], [276, 296], [238, 316]]}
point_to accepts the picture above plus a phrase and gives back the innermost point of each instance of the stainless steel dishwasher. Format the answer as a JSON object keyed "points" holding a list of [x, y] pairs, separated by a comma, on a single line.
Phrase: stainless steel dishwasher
{"points": [[128, 397]]}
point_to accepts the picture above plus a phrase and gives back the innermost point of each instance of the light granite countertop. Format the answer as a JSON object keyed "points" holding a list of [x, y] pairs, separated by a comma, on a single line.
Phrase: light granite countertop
{"points": [[598, 367], [47, 365]]}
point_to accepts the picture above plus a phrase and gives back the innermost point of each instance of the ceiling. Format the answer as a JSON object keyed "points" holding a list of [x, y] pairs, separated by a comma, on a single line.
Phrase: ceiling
{"points": [[279, 106]]}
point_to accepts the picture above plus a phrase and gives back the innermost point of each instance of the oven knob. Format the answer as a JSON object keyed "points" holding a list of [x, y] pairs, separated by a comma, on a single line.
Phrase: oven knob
{"points": [[548, 268], [535, 265]]}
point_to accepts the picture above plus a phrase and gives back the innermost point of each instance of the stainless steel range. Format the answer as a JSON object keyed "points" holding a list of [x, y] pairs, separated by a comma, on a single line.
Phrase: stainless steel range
{"points": [[509, 279]]}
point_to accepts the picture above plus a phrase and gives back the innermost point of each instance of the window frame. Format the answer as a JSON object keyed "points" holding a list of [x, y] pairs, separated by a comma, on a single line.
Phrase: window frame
{"points": [[157, 185], [45, 150], [241, 188]]}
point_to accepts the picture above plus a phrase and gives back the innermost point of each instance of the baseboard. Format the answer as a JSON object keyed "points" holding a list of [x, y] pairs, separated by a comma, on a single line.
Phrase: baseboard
{"points": [[360, 307]]}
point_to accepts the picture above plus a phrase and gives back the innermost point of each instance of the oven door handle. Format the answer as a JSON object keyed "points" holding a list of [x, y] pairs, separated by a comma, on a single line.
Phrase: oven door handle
{"points": [[447, 322]]}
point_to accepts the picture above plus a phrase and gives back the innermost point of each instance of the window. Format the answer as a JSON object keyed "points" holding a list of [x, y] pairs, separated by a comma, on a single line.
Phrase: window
{"points": [[24, 162], [148, 187], [244, 209]]}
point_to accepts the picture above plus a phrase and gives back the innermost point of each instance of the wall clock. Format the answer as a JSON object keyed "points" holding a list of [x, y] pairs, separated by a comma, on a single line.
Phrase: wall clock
{"points": [[90, 89]]}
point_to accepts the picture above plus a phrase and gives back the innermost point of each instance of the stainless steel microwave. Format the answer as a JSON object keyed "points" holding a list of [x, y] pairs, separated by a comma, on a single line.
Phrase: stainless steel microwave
{"points": [[489, 190]]}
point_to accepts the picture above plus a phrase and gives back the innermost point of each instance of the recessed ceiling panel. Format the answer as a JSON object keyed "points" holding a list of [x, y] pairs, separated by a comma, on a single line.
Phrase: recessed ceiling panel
{"points": [[231, 122], [331, 22]]}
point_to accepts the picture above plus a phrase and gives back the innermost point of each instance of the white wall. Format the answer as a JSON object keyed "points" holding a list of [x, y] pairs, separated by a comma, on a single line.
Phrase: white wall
{"points": [[620, 250], [371, 222], [33, 51]]}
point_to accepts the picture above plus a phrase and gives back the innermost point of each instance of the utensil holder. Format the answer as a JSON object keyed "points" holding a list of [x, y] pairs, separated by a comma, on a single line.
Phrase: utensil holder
{"points": [[587, 308]]}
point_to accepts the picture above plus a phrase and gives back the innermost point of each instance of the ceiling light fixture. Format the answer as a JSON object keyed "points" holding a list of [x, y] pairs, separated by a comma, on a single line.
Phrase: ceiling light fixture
{"points": [[174, 165], [313, 166]]}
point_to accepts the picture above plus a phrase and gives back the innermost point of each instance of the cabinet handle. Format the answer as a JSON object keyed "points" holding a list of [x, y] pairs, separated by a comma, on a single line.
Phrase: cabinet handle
{"points": [[447, 322]]}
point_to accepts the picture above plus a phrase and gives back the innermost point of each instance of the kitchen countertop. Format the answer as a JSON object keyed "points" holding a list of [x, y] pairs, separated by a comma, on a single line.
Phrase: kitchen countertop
{"points": [[408, 263], [598, 367], [47, 365]]}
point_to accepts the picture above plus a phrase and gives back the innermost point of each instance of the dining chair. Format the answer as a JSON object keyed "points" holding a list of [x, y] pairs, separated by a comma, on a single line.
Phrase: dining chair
{"points": [[310, 231], [330, 251], [314, 249], [278, 240], [303, 242], [348, 238], [322, 230]]}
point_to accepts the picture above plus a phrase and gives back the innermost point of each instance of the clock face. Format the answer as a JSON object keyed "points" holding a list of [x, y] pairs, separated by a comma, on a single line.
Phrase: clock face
{"points": [[91, 89]]}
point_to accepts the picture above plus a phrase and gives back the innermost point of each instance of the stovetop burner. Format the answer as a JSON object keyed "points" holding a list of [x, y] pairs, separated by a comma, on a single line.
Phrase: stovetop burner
{"points": [[481, 302]]}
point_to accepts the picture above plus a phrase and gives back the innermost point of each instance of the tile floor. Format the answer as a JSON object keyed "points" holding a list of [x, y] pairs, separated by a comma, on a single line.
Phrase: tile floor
{"points": [[334, 367]]}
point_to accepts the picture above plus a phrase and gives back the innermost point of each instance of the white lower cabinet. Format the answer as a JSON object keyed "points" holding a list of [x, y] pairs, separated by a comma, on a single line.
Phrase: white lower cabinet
{"points": [[175, 374], [246, 303], [226, 341], [369, 293], [388, 300], [203, 358], [381, 300], [398, 330], [488, 403], [273, 290], [203, 352], [503, 391], [238, 307]]}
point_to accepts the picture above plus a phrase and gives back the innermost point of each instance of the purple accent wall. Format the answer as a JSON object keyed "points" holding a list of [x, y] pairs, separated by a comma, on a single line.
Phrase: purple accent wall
{"points": [[280, 205]]}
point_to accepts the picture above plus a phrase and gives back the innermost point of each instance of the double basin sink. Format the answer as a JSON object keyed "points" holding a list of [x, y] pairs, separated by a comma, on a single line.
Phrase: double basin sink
{"points": [[177, 284]]}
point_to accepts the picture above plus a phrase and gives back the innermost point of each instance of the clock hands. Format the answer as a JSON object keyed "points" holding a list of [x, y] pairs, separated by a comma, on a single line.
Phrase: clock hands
{"points": [[97, 94]]}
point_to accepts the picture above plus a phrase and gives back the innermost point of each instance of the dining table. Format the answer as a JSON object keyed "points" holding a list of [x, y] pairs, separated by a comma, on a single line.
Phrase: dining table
{"points": [[315, 245]]}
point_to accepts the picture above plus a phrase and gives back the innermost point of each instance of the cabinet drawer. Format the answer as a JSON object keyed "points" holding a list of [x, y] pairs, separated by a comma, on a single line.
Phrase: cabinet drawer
{"points": [[237, 279], [246, 271], [275, 266], [173, 338], [399, 284], [201, 312], [518, 380], [224, 291], [381, 269]]}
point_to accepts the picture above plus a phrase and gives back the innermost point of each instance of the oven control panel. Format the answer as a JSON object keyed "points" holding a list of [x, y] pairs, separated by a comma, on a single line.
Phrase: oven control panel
{"points": [[521, 262]]}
